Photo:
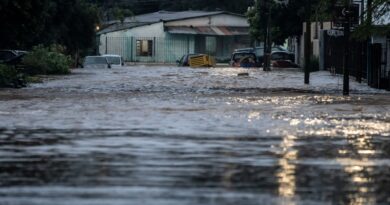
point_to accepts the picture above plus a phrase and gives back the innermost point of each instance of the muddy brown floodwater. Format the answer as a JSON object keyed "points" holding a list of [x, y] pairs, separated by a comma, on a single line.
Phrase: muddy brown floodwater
{"points": [[180, 136]]}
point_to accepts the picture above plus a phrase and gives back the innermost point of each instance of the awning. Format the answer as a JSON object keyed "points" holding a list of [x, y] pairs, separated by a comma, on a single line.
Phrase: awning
{"points": [[208, 30]]}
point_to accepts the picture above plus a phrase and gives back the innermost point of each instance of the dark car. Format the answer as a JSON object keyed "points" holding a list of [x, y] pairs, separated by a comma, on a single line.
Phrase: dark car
{"points": [[280, 57], [245, 59], [13, 57]]}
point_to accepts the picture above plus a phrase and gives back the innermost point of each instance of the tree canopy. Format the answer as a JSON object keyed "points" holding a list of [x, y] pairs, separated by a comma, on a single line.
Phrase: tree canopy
{"points": [[26, 23], [287, 20]]}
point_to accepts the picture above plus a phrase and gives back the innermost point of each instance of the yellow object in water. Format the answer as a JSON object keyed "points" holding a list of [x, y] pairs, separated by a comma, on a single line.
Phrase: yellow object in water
{"points": [[202, 60]]}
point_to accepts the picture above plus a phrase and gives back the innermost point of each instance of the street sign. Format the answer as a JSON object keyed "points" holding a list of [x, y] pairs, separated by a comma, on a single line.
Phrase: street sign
{"points": [[342, 14], [335, 33]]}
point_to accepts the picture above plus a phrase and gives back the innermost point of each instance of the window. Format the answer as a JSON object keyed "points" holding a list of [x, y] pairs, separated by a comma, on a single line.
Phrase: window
{"points": [[144, 48]]}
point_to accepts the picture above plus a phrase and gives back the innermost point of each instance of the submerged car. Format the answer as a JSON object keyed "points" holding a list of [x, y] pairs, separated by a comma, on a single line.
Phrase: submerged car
{"points": [[96, 62], [244, 59], [280, 57], [114, 60]]}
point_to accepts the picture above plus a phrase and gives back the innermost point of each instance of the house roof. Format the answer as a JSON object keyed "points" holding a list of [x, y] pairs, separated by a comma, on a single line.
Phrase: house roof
{"points": [[120, 26], [208, 30], [160, 16], [172, 16]]}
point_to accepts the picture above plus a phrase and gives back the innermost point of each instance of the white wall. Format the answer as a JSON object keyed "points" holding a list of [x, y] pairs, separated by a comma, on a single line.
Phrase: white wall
{"points": [[166, 48], [315, 40]]}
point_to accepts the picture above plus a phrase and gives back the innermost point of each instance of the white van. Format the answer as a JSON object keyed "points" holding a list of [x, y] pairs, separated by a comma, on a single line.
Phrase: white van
{"points": [[114, 60]]}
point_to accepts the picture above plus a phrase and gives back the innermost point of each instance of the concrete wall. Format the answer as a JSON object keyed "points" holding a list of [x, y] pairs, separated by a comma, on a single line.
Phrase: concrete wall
{"points": [[315, 40]]}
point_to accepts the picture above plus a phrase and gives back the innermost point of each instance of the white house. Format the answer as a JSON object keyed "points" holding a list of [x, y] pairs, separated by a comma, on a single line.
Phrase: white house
{"points": [[165, 36]]}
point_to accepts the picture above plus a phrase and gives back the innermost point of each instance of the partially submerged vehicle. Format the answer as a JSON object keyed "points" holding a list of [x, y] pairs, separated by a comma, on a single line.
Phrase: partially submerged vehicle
{"points": [[114, 60], [96, 62], [196, 61], [280, 57], [103, 61], [244, 59]]}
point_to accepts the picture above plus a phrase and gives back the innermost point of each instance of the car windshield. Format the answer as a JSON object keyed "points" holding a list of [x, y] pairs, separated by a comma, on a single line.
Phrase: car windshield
{"points": [[116, 60], [95, 60]]}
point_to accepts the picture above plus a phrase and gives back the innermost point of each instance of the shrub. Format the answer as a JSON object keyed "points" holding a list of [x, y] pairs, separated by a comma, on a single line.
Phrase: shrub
{"points": [[11, 78], [43, 60]]}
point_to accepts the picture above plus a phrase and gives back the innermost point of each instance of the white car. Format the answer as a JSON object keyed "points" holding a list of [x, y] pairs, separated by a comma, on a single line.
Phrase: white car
{"points": [[96, 62], [114, 60]]}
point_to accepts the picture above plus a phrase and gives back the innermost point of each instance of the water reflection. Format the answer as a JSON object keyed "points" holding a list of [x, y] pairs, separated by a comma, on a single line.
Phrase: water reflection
{"points": [[286, 175], [360, 176]]}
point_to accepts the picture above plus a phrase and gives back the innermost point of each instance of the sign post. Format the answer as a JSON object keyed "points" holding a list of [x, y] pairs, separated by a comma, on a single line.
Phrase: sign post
{"points": [[346, 16]]}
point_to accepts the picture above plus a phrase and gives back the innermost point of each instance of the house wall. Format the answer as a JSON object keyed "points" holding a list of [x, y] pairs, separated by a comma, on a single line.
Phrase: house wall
{"points": [[315, 40], [167, 48]]}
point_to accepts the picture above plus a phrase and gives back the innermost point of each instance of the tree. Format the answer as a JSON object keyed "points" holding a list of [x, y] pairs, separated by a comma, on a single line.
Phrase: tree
{"points": [[375, 13], [287, 19], [23, 22], [26, 23]]}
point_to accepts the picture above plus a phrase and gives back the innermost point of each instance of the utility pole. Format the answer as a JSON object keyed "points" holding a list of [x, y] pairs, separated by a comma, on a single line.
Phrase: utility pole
{"points": [[307, 48], [369, 53], [359, 72], [347, 27]]}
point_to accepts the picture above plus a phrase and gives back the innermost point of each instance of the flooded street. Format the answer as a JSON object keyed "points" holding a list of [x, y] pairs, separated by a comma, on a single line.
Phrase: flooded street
{"points": [[180, 136]]}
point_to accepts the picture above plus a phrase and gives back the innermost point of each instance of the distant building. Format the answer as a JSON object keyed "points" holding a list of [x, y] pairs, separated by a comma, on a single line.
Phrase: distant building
{"points": [[165, 36]]}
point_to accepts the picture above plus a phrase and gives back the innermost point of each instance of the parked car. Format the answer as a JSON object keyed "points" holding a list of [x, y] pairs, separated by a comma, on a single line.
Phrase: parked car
{"points": [[245, 59], [12, 57], [96, 62], [260, 50], [280, 57], [114, 60]]}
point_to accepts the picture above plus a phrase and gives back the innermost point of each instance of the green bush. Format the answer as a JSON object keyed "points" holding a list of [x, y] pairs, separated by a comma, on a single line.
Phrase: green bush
{"points": [[11, 78], [47, 61]]}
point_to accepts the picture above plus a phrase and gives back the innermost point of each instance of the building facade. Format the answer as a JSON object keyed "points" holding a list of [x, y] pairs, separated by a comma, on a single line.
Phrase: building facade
{"points": [[164, 36]]}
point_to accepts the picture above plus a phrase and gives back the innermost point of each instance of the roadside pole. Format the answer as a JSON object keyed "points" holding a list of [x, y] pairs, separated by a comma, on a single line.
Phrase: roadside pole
{"points": [[307, 48], [346, 59], [347, 30]]}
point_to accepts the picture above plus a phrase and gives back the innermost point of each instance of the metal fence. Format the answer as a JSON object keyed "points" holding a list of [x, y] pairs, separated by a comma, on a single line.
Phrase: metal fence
{"points": [[172, 48]]}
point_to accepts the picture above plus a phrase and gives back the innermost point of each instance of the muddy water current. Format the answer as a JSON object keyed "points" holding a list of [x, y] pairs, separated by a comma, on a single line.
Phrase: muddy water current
{"points": [[182, 136]]}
